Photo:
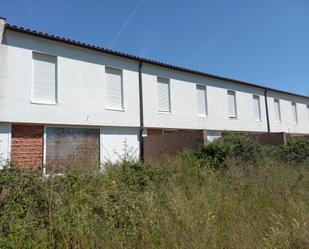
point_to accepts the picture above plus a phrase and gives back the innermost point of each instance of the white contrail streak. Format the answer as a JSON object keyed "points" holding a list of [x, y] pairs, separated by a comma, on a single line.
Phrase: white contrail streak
{"points": [[126, 23]]}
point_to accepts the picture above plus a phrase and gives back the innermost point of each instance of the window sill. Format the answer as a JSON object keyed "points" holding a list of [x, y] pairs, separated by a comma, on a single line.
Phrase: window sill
{"points": [[258, 120], [43, 103], [202, 115], [166, 113], [233, 118], [114, 109]]}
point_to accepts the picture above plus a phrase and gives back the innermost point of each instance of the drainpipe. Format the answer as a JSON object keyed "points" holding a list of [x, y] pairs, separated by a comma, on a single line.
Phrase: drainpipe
{"points": [[267, 113], [141, 112], [2, 28]]}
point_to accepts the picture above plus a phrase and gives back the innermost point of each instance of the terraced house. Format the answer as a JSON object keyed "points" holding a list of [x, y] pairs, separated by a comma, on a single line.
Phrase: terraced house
{"points": [[61, 99]]}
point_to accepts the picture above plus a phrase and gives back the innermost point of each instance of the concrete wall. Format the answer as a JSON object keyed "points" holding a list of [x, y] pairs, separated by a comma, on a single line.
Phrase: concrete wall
{"points": [[184, 107], [81, 93], [5, 143], [184, 104], [287, 125], [116, 142], [81, 85]]}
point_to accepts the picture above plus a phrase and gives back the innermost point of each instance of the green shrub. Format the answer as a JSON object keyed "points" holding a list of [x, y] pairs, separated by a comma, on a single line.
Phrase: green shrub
{"points": [[251, 204], [178, 205], [215, 153], [137, 176], [243, 147], [295, 151], [237, 146]]}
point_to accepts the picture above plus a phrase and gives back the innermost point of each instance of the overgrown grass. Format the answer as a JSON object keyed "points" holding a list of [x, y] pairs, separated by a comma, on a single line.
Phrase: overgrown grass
{"points": [[185, 204]]}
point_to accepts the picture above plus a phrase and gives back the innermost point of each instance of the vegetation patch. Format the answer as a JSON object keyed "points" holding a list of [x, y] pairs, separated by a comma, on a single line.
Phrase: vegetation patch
{"points": [[231, 194]]}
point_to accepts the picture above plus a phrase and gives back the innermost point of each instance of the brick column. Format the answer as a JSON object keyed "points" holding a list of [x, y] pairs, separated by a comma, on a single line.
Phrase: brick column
{"points": [[27, 145]]}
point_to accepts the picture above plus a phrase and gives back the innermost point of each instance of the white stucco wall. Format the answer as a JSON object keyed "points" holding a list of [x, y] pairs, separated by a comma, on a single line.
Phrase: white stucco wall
{"points": [[184, 103], [81, 85], [287, 124], [115, 143], [5, 143], [81, 93]]}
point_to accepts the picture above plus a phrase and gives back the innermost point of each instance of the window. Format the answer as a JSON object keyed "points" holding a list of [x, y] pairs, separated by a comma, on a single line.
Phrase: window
{"points": [[44, 80], [257, 107], [164, 95], [201, 100], [294, 113], [308, 112], [114, 88], [232, 104], [277, 110], [72, 148]]}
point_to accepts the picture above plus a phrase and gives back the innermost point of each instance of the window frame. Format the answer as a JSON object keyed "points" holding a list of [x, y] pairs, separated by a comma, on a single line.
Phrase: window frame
{"points": [[36, 102], [294, 112], [277, 101], [205, 99], [107, 107], [46, 127], [258, 97], [235, 104], [169, 95]]}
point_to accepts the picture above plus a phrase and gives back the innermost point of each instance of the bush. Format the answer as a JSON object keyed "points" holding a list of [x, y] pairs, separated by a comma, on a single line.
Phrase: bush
{"points": [[215, 153], [78, 210], [179, 205], [237, 146], [243, 147], [295, 151], [251, 204]]}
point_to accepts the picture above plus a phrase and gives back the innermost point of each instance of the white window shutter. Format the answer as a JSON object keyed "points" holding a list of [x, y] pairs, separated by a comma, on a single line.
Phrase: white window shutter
{"points": [[201, 100], [308, 112], [114, 92], [257, 107], [277, 110], [294, 112], [164, 95], [44, 87], [232, 104]]}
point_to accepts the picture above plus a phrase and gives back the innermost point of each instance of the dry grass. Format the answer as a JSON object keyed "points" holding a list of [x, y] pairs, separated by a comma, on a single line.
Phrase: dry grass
{"points": [[184, 205]]}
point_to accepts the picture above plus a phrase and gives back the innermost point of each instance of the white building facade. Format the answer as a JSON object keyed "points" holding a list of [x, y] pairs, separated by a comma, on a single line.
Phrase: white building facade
{"points": [[79, 94]]}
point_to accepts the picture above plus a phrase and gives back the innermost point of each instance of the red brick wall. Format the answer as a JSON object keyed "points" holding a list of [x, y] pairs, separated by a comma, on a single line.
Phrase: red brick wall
{"points": [[27, 145], [151, 132], [270, 138], [166, 146]]}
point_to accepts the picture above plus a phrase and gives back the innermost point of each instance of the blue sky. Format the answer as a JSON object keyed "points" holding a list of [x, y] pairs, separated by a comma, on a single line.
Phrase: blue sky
{"points": [[264, 42]]}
